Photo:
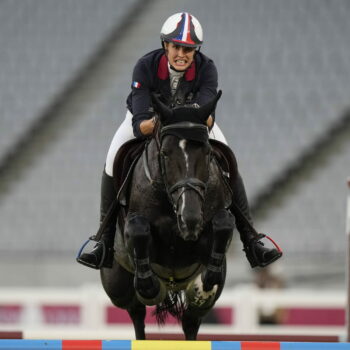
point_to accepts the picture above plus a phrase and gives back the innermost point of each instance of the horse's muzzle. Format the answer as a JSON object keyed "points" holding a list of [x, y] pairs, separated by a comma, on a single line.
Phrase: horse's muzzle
{"points": [[190, 227]]}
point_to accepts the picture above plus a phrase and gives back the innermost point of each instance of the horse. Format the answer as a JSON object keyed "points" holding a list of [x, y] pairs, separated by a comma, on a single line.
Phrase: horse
{"points": [[170, 248]]}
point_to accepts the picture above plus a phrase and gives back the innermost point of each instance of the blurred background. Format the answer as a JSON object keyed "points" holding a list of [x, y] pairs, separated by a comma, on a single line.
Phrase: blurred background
{"points": [[66, 72]]}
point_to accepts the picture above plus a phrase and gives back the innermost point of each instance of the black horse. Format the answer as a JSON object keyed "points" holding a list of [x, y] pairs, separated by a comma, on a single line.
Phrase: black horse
{"points": [[170, 247]]}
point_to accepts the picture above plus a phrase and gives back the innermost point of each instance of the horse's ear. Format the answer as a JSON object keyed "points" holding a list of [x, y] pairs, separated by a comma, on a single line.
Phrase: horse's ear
{"points": [[165, 113], [205, 111]]}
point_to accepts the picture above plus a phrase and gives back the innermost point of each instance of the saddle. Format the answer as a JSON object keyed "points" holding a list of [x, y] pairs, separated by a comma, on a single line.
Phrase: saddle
{"points": [[124, 164], [226, 160], [131, 151]]}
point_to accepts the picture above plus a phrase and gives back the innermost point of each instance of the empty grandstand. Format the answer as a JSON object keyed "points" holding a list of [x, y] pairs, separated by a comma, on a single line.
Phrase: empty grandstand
{"points": [[66, 71]]}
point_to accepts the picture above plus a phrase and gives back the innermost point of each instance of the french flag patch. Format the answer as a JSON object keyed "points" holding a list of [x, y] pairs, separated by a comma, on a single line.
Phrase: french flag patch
{"points": [[136, 84]]}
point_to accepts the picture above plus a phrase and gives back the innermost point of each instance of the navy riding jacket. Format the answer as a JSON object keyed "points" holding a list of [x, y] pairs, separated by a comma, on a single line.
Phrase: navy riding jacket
{"points": [[151, 74]]}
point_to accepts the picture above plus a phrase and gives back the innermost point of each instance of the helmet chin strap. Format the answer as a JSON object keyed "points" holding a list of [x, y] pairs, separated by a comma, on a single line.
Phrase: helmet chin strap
{"points": [[176, 70]]}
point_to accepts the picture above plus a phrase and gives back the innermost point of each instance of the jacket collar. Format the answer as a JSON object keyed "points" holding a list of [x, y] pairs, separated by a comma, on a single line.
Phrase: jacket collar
{"points": [[163, 70]]}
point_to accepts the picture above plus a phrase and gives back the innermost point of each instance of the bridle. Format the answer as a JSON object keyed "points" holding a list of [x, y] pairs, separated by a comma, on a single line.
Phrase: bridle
{"points": [[186, 129]]}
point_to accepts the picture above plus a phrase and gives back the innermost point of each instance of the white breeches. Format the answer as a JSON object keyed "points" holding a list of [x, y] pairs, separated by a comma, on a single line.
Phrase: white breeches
{"points": [[125, 133]]}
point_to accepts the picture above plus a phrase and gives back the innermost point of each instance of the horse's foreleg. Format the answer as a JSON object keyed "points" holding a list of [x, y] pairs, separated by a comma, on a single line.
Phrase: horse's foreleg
{"points": [[200, 303], [191, 321], [147, 286], [223, 226], [118, 284], [137, 313]]}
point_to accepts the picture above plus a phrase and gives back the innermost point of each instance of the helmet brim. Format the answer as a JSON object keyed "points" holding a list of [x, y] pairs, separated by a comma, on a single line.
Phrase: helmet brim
{"points": [[181, 43]]}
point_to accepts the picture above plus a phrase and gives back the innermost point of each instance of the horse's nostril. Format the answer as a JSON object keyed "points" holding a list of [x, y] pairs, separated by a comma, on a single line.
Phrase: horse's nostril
{"points": [[191, 237], [192, 222], [190, 229]]}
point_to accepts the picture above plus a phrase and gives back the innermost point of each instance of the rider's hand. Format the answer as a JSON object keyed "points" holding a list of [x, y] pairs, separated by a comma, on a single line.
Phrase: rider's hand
{"points": [[147, 126], [210, 122]]}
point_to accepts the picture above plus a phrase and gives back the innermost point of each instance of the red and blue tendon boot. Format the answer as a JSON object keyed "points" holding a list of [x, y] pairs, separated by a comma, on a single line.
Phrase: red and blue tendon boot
{"points": [[256, 251], [102, 253]]}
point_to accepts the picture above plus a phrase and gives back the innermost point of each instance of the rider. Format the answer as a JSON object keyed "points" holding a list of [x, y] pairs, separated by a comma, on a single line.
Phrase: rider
{"points": [[181, 75]]}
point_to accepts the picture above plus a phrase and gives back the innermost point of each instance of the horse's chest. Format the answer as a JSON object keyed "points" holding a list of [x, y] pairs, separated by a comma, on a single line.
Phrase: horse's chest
{"points": [[177, 279], [175, 261], [171, 251]]}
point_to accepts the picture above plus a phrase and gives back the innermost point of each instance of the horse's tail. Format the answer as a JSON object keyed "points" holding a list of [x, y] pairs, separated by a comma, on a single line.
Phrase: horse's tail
{"points": [[173, 304]]}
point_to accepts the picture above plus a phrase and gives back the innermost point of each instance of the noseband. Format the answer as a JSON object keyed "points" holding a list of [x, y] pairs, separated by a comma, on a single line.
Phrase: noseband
{"points": [[189, 183], [188, 131]]}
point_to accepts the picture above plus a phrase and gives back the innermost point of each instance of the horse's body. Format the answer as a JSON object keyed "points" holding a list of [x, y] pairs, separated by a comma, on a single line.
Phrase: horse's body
{"points": [[175, 236]]}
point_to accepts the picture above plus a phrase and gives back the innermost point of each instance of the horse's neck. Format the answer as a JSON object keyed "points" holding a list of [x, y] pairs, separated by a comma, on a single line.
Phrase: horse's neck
{"points": [[218, 192], [151, 161]]}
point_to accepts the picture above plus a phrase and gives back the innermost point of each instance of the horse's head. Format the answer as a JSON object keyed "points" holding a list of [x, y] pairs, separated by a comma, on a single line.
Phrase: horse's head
{"points": [[185, 155]]}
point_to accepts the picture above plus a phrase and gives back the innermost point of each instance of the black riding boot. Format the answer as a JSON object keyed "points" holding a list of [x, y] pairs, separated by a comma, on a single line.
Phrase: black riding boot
{"points": [[256, 253], [102, 254]]}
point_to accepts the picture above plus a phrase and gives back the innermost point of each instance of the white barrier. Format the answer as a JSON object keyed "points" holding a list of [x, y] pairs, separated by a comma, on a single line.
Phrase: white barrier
{"points": [[80, 313], [347, 231], [348, 210]]}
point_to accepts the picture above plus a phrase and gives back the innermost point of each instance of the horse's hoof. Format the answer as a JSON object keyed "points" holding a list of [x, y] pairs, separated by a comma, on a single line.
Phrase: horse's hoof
{"points": [[197, 296], [152, 295]]}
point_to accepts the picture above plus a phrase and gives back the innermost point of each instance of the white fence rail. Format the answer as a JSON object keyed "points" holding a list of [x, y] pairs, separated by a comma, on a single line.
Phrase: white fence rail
{"points": [[81, 312]]}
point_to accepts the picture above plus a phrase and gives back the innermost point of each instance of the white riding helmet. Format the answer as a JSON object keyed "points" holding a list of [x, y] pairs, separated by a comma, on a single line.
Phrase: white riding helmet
{"points": [[182, 29]]}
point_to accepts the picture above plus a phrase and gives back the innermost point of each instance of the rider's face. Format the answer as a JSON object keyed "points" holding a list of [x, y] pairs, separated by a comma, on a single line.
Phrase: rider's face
{"points": [[179, 57]]}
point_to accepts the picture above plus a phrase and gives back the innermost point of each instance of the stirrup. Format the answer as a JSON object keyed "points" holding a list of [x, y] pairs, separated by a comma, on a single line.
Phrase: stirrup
{"points": [[103, 257], [252, 257]]}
